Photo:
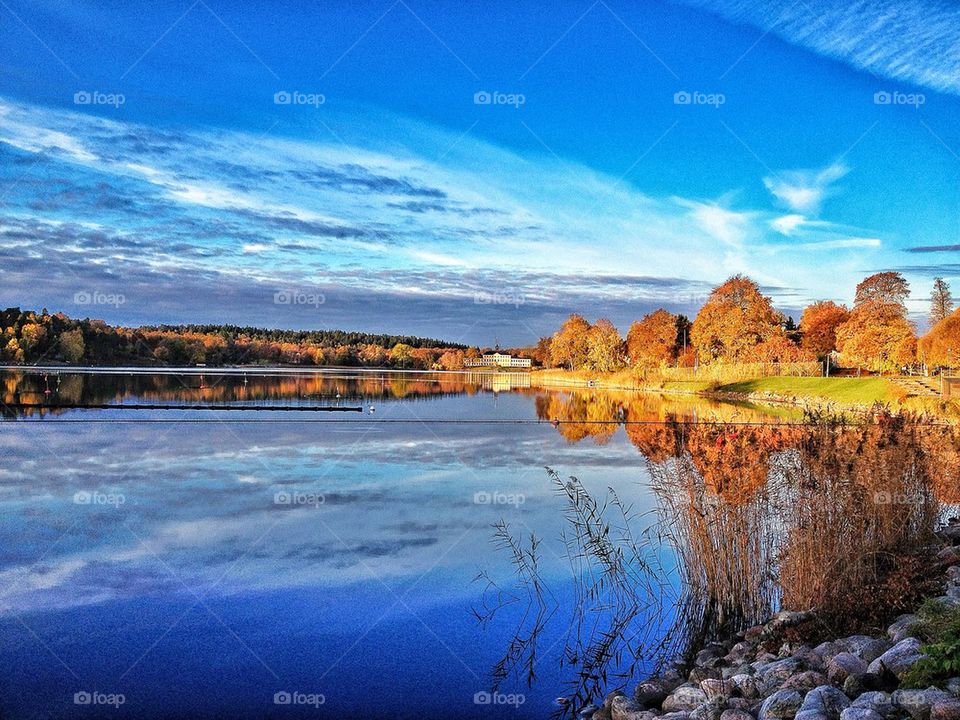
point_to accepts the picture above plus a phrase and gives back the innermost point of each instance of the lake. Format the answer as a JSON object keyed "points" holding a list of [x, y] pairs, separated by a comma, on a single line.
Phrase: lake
{"points": [[406, 554]]}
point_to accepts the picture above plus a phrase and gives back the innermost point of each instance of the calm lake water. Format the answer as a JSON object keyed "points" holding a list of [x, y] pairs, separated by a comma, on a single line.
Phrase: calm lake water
{"points": [[216, 563]]}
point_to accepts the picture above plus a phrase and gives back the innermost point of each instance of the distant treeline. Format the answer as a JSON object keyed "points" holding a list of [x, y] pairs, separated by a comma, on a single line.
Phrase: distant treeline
{"points": [[28, 337]]}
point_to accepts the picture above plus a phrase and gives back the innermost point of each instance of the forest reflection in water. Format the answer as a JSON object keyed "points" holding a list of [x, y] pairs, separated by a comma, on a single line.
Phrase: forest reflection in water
{"points": [[749, 519]]}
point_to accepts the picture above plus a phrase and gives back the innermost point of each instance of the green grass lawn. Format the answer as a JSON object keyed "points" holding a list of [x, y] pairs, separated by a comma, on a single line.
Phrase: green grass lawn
{"points": [[865, 390]]}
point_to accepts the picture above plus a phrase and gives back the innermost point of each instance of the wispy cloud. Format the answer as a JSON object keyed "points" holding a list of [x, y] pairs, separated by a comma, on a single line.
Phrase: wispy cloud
{"points": [[909, 40], [804, 191]]}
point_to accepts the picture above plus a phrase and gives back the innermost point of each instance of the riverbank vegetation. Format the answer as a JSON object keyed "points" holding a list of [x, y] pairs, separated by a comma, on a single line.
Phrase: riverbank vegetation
{"points": [[30, 338], [738, 326]]}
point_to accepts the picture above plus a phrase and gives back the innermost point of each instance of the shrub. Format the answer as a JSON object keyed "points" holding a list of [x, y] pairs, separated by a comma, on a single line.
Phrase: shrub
{"points": [[939, 626]]}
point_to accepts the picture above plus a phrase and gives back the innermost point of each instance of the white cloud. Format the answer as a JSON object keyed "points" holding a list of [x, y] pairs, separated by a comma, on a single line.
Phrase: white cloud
{"points": [[803, 191]]}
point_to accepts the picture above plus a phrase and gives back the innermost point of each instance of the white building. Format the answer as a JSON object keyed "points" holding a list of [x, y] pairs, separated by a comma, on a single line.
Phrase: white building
{"points": [[499, 360]]}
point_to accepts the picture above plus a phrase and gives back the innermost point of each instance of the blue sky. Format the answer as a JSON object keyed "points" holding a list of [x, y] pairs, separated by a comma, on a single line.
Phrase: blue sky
{"points": [[631, 156]]}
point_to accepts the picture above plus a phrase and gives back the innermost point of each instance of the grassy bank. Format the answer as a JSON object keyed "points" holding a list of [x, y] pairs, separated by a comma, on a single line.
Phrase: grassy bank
{"points": [[846, 392]]}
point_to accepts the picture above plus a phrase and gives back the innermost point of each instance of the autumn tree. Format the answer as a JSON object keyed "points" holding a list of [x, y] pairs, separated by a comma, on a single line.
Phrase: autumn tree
{"points": [[941, 301], [819, 324], [735, 319], [569, 347], [883, 287], [878, 336], [652, 341], [401, 355], [72, 346], [941, 346], [604, 347]]}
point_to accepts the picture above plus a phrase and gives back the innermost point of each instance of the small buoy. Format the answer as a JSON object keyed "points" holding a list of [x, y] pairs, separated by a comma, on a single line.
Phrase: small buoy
{"points": [[372, 409]]}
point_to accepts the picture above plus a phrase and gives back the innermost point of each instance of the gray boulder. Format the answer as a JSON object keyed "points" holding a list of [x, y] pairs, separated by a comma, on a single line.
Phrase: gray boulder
{"points": [[859, 713], [736, 715], [917, 703], [782, 705], [710, 710], [865, 647], [843, 665], [898, 659], [714, 688], [623, 708], [945, 710], [805, 681], [747, 685], [684, 699], [652, 692], [879, 702], [774, 674], [825, 702], [953, 686], [902, 627]]}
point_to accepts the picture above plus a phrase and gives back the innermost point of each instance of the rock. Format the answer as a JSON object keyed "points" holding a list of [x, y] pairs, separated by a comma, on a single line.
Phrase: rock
{"points": [[951, 531], [865, 647], [684, 699], [918, 703], [774, 674], [855, 685], [827, 650], [623, 708], [805, 681], [901, 628], [747, 685], [745, 704], [734, 670], [710, 710], [699, 674], [948, 709], [710, 656], [844, 665], [652, 692], [714, 688], [587, 712], [782, 705], [736, 715], [825, 701], [676, 716], [953, 686], [879, 702], [860, 713], [898, 659], [949, 555]]}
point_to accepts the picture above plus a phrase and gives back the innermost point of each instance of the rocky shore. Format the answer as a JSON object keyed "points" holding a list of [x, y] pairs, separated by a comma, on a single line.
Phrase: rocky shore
{"points": [[759, 675]]}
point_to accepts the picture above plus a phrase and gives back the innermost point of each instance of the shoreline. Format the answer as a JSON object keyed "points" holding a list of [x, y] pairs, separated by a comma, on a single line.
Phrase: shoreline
{"points": [[766, 673], [713, 390]]}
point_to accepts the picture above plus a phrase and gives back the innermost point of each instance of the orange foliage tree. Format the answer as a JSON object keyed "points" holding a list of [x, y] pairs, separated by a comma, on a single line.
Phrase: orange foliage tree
{"points": [[652, 341], [735, 319], [604, 347], [569, 347], [819, 324], [877, 333], [941, 346]]}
